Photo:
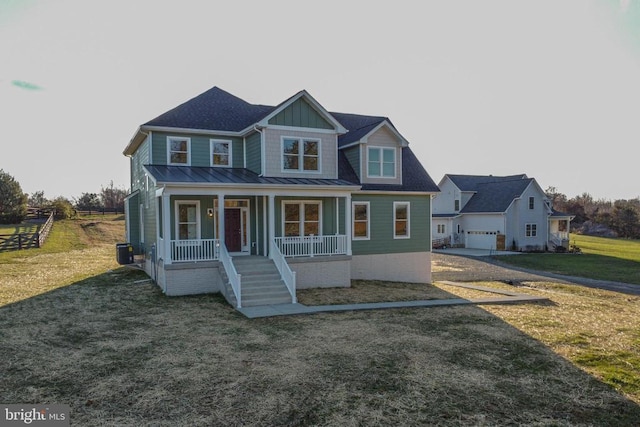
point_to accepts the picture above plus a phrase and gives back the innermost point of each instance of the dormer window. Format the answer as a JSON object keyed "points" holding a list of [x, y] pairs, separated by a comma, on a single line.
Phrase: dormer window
{"points": [[178, 151], [381, 162], [300, 155], [221, 153]]}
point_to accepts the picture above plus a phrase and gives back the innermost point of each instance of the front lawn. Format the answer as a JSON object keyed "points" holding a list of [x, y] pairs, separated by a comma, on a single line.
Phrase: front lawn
{"points": [[602, 258], [83, 331]]}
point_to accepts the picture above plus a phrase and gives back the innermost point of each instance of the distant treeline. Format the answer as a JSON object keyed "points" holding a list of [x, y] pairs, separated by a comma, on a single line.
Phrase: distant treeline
{"points": [[619, 218]]}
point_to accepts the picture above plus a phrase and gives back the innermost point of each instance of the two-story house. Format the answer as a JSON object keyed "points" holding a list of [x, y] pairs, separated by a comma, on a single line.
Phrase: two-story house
{"points": [[257, 201], [497, 212]]}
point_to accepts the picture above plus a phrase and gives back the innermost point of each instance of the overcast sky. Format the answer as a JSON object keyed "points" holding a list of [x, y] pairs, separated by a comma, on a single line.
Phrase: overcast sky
{"points": [[546, 88]]}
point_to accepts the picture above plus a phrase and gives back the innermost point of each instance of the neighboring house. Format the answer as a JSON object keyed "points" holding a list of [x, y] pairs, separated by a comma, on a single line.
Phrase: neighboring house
{"points": [[257, 201], [497, 212]]}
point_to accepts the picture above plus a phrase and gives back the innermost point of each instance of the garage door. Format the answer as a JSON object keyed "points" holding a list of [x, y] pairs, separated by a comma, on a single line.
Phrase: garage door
{"points": [[481, 239]]}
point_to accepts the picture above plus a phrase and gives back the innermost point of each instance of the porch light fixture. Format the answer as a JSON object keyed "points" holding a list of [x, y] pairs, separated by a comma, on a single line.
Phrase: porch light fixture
{"points": [[210, 212]]}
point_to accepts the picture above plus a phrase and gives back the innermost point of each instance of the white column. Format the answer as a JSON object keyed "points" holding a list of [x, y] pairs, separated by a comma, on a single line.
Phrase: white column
{"points": [[347, 222], [221, 218], [265, 228], [166, 227], [337, 216], [272, 218]]}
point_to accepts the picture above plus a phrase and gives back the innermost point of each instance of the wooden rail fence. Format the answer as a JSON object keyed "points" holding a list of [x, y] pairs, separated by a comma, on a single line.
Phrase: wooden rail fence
{"points": [[17, 241]]}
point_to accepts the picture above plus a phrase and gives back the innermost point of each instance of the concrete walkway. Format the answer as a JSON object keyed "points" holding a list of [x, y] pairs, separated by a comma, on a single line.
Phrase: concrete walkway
{"points": [[291, 309]]}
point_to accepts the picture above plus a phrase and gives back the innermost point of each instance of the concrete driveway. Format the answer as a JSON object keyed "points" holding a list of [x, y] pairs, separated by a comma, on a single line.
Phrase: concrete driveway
{"points": [[470, 265]]}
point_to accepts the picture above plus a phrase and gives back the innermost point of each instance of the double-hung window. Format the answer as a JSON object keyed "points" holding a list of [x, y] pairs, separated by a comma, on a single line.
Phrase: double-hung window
{"points": [[301, 219], [532, 202], [221, 153], [531, 230], [360, 220], [381, 162], [178, 150], [441, 228], [188, 220], [300, 154], [401, 220]]}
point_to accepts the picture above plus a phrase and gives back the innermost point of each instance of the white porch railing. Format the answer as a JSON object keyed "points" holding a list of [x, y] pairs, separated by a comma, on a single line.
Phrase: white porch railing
{"points": [[288, 275], [235, 279], [312, 245], [194, 250]]}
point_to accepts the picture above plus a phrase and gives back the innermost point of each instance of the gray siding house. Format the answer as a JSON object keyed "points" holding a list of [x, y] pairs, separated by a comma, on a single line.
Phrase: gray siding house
{"points": [[257, 201], [497, 213]]}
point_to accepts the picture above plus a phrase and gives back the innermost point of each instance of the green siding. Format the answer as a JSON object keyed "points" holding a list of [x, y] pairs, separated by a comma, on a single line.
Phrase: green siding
{"points": [[300, 114], [139, 158], [353, 156], [381, 225], [254, 152], [133, 208], [200, 148]]}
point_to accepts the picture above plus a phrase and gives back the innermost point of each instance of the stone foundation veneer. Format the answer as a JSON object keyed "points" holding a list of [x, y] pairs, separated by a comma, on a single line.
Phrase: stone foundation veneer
{"points": [[413, 267]]}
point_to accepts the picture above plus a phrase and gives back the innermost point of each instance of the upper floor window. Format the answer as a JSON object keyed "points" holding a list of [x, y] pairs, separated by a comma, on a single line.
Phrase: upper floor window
{"points": [[381, 162], [532, 202], [401, 220], [456, 205], [221, 153], [360, 220], [531, 230], [300, 154], [178, 150]]}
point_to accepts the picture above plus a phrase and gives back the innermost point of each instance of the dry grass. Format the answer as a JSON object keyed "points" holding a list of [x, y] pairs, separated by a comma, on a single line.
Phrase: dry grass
{"points": [[121, 353]]}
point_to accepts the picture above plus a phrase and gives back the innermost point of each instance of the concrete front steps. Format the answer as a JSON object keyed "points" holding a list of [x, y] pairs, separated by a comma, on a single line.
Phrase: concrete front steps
{"points": [[261, 282]]}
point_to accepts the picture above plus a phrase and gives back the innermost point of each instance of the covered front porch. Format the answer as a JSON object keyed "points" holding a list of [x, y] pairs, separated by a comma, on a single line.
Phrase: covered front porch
{"points": [[199, 226], [297, 230]]}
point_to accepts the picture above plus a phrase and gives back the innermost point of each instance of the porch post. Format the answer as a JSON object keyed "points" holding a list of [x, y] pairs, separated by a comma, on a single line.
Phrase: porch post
{"points": [[221, 218], [347, 221], [166, 227], [272, 219], [265, 236]]}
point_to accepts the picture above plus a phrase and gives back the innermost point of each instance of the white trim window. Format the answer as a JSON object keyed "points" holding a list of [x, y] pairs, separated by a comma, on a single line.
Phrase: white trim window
{"points": [[531, 230], [221, 153], [178, 149], [361, 224], [187, 220], [301, 218], [532, 202], [401, 218], [441, 228], [381, 162], [300, 154]]}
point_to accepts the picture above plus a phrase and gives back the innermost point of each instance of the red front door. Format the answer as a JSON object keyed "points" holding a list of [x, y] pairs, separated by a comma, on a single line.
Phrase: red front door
{"points": [[232, 230]]}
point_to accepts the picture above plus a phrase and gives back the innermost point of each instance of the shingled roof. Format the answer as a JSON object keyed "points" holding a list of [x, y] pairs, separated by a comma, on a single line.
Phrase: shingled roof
{"points": [[495, 196], [214, 109], [472, 182]]}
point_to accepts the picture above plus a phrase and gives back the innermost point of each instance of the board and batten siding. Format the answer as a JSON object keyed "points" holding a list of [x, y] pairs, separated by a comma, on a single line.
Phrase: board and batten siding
{"points": [[253, 147], [300, 114], [273, 153], [382, 226], [200, 154]]}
